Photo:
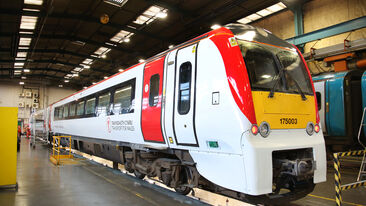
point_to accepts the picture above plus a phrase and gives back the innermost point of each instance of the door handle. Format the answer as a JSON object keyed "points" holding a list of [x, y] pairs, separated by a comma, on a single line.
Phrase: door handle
{"points": [[327, 107]]}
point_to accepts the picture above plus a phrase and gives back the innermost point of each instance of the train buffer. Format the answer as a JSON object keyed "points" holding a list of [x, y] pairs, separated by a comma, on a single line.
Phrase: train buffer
{"points": [[361, 179]]}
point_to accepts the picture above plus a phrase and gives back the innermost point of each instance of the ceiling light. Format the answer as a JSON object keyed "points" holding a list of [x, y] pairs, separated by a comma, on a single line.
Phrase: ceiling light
{"points": [[60, 64], [262, 13], [151, 14], [102, 50], [21, 54], [25, 32], [24, 77], [23, 47], [126, 40], [17, 71], [118, 3], [21, 83], [85, 87], [141, 60], [277, 7], [60, 85], [104, 56], [75, 75], [66, 80], [25, 9], [86, 66], [94, 83], [19, 59], [26, 70], [215, 26], [87, 61], [34, 2], [120, 70], [105, 77], [254, 17], [171, 46], [79, 43], [28, 22], [78, 69], [244, 20]]}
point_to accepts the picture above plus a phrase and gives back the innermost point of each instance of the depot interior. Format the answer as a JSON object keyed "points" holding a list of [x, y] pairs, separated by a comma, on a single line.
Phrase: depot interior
{"points": [[50, 49]]}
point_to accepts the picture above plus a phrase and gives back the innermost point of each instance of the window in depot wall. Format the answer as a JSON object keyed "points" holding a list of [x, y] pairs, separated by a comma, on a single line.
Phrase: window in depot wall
{"points": [[154, 90], [103, 103], [90, 106], [185, 76], [80, 108], [122, 103], [72, 109]]}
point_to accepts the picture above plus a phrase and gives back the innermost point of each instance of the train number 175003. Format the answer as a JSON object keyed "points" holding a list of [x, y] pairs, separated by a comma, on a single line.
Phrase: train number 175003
{"points": [[288, 120]]}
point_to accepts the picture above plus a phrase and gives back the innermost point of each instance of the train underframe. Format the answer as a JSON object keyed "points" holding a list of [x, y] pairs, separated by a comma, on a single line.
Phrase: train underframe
{"points": [[292, 169]]}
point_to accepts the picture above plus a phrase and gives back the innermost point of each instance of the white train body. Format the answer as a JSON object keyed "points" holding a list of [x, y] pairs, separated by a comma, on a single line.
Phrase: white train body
{"points": [[199, 110]]}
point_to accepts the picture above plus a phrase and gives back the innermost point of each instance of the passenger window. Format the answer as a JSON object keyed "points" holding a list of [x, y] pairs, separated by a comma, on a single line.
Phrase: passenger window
{"points": [[90, 106], [72, 109], [185, 75], [154, 90], [66, 111], [103, 103], [55, 114], [122, 100], [80, 108], [319, 100], [60, 112]]}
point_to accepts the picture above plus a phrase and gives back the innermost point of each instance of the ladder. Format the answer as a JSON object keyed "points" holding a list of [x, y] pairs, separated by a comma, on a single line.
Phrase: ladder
{"points": [[362, 173]]}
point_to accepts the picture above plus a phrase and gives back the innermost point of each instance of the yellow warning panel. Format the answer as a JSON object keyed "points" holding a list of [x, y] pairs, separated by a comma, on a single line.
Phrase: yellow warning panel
{"points": [[8, 146]]}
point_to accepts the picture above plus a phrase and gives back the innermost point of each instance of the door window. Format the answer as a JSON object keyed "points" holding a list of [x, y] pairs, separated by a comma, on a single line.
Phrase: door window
{"points": [[185, 76], [154, 90]]}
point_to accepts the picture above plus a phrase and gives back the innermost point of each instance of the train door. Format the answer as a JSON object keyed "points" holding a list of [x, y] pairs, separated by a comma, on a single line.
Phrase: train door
{"points": [[320, 96], [152, 101], [184, 97]]}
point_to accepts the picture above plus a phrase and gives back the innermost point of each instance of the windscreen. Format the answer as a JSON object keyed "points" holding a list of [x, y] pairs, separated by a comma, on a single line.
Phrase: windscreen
{"points": [[264, 63]]}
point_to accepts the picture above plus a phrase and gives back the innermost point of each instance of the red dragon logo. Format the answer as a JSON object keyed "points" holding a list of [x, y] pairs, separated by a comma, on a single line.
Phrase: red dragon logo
{"points": [[108, 124]]}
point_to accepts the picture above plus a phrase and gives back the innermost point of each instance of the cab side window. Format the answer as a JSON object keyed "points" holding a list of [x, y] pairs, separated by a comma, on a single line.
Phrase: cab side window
{"points": [[154, 90]]}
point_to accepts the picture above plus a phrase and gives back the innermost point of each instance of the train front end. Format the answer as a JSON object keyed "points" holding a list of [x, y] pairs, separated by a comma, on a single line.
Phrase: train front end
{"points": [[284, 150]]}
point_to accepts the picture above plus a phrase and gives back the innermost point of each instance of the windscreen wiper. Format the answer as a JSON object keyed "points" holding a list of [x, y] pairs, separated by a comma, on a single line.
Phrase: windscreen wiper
{"points": [[303, 97], [279, 76]]}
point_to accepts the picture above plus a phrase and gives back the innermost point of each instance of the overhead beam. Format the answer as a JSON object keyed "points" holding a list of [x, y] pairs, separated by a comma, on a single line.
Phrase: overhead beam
{"points": [[336, 29], [82, 18]]}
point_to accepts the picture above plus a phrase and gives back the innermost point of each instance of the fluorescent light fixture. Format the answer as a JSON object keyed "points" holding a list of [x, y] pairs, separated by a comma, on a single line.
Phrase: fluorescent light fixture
{"points": [[171, 46], [86, 66], [24, 41], [24, 77], [118, 3], [262, 13], [78, 69], [23, 47], [26, 9], [34, 2], [87, 61], [60, 85], [141, 60], [22, 54], [28, 22], [215, 26], [75, 75], [120, 70], [92, 55], [121, 36], [102, 50], [19, 59], [104, 56], [26, 70], [17, 71], [19, 64], [105, 77], [66, 80], [151, 14], [79, 43], [21, 83]]}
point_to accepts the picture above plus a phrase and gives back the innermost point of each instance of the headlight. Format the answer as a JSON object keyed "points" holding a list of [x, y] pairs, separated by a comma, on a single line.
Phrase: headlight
{"points": [[310, 128], [264, 129]]}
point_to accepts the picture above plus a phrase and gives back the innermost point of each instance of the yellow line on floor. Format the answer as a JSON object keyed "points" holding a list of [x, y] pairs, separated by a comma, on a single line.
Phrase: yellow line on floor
{"points": [[330, 199], [122, 187]]}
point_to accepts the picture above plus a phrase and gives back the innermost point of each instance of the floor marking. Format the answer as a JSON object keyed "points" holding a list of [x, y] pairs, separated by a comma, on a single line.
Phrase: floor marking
{"points": [[122, 187], [330, 199]]}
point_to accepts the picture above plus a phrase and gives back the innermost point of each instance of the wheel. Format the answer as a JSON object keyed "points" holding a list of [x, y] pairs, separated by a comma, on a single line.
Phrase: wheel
{"points": [[183, 190], [139, 174]]}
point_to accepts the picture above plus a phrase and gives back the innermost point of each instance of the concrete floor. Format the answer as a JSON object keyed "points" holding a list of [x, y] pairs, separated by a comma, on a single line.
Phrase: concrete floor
{"points": [[83, 182]]}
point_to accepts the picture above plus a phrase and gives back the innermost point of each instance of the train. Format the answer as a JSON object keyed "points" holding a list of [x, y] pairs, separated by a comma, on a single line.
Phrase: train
{"points": [[341, 100], [232, 111]]}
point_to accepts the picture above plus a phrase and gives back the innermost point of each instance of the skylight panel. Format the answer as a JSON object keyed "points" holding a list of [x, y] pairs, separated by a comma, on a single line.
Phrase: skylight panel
{"points": [[254, 17], [277, 7], [22, 54], [34, 2], [151, 14], [78, 69], [25, 32], [244, 20], [118, 3], [20, 64], [37, 10], [23, 47], [87, 61], [101, 51], [122, 36], [28, 22], [262, 13], [24, 41]]}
